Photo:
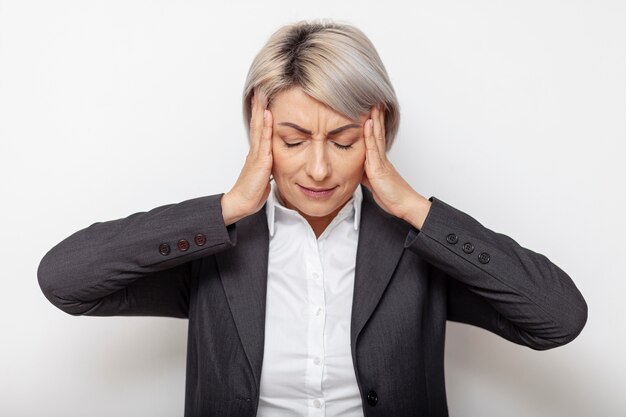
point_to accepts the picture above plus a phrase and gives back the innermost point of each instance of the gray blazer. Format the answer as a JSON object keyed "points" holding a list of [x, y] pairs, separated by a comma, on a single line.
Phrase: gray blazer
{"points": [[181, 261]]}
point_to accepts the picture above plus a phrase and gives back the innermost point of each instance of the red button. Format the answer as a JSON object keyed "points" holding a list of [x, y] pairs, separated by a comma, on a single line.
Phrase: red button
{"points": [[183, 245], [200, 239]]}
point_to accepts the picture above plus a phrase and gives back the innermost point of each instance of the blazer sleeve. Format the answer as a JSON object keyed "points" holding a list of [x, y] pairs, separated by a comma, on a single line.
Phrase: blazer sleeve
{"points": [[496, 284], [138, 265]]}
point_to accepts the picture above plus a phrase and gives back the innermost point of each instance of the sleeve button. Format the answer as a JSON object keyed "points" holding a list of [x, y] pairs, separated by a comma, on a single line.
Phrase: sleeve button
{"points": [[468, 247], [484, 258], [183, 245], [200, 239], [164, 249], [452, 238]]}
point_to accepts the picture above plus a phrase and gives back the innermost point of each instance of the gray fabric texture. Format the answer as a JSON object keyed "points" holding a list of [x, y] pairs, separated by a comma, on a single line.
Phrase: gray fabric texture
{"points": [[408, 283]]}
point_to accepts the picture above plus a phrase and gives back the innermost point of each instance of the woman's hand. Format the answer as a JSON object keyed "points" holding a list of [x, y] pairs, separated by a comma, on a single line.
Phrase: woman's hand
{"points": [[391, 192], [253, 186]]}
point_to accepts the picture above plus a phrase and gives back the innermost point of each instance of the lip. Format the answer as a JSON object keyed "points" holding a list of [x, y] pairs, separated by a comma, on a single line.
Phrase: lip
{"points": [[317, 193]]}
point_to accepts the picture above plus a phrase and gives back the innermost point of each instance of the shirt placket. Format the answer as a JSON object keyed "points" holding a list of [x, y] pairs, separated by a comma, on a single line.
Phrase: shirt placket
{"points": [[316, 321]]}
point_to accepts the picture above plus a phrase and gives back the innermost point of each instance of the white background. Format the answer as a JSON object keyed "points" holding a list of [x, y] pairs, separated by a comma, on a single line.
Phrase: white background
{"points": [[513, 112]]}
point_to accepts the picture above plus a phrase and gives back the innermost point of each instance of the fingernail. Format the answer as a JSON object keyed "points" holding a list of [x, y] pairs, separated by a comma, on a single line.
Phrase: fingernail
{"points": [[265, 114]]}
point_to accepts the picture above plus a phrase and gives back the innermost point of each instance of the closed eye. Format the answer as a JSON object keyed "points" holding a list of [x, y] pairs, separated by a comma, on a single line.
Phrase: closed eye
{"points": [[344, 147], [338, 146], [292, 145]]}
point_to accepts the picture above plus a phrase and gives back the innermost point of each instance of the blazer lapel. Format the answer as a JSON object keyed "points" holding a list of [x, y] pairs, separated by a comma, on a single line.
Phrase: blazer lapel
{"points": [[381, 243], [243, 272]]}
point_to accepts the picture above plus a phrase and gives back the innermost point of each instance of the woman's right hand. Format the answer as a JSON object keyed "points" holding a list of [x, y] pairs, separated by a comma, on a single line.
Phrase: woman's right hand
{"points": [[253, 186]]}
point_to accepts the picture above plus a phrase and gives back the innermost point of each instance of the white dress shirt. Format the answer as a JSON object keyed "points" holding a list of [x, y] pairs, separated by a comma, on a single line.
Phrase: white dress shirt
{"points": [[307, 364]]}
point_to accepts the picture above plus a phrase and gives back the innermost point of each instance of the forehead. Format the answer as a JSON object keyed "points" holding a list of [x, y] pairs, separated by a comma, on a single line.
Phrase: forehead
{"points": [[295, 105]]}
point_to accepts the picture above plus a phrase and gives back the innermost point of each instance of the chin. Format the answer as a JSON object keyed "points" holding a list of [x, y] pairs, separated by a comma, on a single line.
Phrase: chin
{"points": [[321, 208], [310, 208], [316, 211]]}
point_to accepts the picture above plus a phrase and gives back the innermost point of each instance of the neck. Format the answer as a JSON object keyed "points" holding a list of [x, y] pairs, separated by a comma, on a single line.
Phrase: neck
{"points": [[317, 223]]}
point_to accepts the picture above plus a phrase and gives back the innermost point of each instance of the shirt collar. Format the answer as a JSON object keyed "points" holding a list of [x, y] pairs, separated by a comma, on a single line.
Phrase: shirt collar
{"points": [[274, 203]]}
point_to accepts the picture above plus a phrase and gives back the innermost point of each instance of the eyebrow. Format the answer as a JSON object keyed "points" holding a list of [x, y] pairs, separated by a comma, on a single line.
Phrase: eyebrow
{"points": [[308, 132]]}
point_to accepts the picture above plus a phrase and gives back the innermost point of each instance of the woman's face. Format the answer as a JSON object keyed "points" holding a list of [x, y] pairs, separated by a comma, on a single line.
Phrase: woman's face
{"points": [[315, 148]]}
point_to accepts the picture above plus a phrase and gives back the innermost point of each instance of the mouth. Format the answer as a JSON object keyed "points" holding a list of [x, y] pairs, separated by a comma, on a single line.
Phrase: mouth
{"points": [[317, 192]]}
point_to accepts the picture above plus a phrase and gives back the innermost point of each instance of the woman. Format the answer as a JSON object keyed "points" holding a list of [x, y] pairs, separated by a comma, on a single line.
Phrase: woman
{"points": [[310, 294]]}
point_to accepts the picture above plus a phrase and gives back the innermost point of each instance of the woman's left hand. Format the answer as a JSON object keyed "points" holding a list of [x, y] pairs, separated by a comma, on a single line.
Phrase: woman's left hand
{"points": [[391, 192]]}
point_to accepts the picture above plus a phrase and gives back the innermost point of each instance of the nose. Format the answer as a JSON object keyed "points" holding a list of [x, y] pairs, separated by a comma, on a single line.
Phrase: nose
{"points": [[318, 163]]}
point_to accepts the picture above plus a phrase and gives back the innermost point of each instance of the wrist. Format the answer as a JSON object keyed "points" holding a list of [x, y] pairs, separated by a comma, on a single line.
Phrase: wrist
{"points": [[230, 210], [418, 211]]}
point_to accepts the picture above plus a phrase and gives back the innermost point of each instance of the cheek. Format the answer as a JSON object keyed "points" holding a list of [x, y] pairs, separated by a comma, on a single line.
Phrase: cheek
{"points": [[284, 161], [351, 166]]}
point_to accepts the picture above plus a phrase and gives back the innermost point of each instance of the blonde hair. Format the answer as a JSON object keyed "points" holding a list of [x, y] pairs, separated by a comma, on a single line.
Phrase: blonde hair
{"points": [[333, 63]]}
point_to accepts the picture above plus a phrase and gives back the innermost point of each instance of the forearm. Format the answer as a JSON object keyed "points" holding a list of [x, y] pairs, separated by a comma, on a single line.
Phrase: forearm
{"points": [[539, 303], [107, 257]]}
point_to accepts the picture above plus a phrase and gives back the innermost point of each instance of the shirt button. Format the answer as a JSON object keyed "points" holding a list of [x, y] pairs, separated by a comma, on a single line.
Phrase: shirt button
{"points": [[315, 275], [318, 311], [317, 403], [316, 361]]}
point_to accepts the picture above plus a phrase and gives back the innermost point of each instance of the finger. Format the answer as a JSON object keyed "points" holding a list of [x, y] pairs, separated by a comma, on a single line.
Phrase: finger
{"points": [[382, 123], [372, 154], [265, 145], [256, 122], [379, 134]]}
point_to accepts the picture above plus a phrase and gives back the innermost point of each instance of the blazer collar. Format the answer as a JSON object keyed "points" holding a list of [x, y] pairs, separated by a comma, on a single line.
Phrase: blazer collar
{"points": [[243, 272]]}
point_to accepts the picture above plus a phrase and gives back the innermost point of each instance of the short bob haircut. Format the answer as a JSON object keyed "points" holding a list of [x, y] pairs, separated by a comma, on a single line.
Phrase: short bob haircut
{"points": [[336, 64]]}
